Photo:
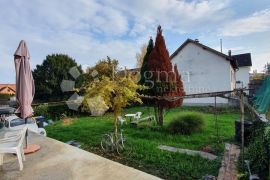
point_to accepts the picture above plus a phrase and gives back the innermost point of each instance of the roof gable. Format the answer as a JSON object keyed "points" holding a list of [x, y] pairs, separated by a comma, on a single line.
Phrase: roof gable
{"points": [[9, 86], [226, 57]]}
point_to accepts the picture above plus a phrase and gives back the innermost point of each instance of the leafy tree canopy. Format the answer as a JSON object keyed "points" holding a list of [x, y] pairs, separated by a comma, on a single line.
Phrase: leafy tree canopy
{"points": [[105, 67], [117, 93], [267, 68], [49, 75], [140, 56]]}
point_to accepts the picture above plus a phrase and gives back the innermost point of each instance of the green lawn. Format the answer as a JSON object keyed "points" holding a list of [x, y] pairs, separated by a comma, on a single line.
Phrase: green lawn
{"points": [[142, 142]]}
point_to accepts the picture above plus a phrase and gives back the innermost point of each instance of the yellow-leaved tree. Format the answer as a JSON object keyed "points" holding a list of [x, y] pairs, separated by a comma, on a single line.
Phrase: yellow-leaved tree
{"points": [[116, 92]]}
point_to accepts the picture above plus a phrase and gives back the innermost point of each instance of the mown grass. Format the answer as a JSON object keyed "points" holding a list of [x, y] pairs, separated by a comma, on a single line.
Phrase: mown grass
{"points": [[142, 142]]}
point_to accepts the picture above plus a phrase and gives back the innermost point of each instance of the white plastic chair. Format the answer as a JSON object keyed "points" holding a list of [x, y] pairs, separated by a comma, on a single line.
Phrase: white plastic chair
{"points": [[137, 115], [11, 134], [13, 144], [42, 132], [121, 120], [251, 176]]}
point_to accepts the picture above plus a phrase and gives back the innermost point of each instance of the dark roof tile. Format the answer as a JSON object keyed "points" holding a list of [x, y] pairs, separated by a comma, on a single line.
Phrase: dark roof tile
{"points": [[243, 59]]}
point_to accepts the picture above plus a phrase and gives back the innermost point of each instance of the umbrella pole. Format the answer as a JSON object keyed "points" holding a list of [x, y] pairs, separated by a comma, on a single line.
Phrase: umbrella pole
{"points": [[32, 147], [26, 134]]}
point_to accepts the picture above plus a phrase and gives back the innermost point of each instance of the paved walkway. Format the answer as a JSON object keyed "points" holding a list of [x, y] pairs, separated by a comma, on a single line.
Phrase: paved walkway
{"points": [[59, 161], [189, 152], [228, 170]]}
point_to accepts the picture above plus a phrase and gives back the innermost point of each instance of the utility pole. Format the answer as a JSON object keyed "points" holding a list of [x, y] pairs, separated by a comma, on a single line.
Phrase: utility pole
{"points": [[221, 46]]}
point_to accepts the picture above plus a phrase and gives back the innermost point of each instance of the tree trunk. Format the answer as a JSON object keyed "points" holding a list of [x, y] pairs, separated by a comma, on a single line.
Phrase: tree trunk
{"points": [[156, 113], [160, 115]]}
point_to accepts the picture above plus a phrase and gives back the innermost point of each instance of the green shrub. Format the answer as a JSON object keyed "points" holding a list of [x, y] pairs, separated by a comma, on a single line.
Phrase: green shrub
{"points": [[210, 109], [257, 152], [54, 111], [41, 110], [5, 96], [186, 123]]}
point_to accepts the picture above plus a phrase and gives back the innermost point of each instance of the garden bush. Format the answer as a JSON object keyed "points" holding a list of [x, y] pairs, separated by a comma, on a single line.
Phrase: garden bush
{"points": [[41, 110], [54, 111], [5, 96], [186, 123], [210, 109], [257, 152]]}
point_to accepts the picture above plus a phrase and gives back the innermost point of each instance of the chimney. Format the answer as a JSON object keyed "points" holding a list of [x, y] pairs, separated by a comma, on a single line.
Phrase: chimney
{"points": [[197, 40], [230, 53]]}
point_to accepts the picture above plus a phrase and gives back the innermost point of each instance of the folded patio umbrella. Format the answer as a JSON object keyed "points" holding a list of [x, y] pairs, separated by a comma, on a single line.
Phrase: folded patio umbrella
{"points": [[25, 87]]}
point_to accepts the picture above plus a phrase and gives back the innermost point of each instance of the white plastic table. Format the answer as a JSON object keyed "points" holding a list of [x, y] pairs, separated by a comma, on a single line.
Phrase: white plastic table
{"points": [[130, 116]]}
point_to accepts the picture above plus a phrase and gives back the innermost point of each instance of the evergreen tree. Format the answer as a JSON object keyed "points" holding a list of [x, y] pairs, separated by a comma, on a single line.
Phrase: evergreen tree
{"points": [[49, 75], [145, 61], [166, 81]]}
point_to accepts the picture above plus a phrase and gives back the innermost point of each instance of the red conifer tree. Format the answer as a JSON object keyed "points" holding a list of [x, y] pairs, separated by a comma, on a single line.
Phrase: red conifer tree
{"points": [[166, 81]]}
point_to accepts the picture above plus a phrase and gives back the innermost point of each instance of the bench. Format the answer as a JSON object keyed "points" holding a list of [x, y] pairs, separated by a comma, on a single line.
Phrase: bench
{"points": [[147, 118]]}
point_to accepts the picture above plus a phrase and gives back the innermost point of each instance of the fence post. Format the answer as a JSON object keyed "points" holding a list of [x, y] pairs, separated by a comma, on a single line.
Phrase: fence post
{"points": [[242, 117], [216, 121]]}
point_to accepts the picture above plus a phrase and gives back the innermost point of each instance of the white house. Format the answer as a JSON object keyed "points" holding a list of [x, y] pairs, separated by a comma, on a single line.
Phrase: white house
{"points": [[242, 73], [203, 70]]}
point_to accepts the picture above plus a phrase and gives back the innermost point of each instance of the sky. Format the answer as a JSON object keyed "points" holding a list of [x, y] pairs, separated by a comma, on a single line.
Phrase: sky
{"points": [[90, 30]]}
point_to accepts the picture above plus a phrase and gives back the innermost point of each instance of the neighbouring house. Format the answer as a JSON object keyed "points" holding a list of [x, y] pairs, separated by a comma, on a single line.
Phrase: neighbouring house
{"points": [[134, 73], [204, 70], [244, 64], [255, 82], [9, 89]]}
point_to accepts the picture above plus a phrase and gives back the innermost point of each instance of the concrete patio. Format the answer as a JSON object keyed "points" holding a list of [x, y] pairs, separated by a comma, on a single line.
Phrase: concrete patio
{"points": [[59, 161]]}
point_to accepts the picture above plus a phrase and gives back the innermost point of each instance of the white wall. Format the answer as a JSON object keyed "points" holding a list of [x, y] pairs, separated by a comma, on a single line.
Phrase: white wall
{"points": [[233, 78], [243, 75], [203, 71]]}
